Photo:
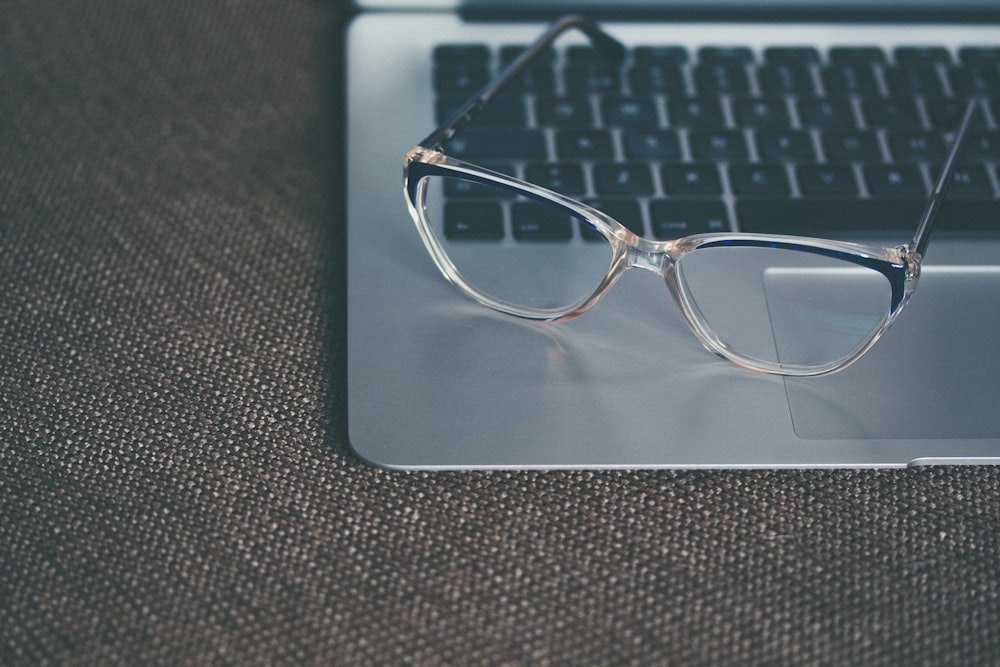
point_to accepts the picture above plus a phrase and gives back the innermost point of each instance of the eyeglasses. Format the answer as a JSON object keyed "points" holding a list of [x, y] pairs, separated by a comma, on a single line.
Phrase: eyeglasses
{"points": [[779, 304]]}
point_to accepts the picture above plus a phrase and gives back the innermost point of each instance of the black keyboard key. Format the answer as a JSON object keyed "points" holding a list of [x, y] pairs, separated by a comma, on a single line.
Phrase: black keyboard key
{"points": [[564, 112], [761, 112], [719, 145], [651, 144], [721, 79], [589, 54], [704, 112], [584, 145], [626, 211], [829, 217], [584, 54], [789, 146], [896, 181], [825, 180], [983, 146], [969, 215], [456, 188], [473, 220], [857, 55], [509, 52], [969, 181], [786, 79], [979, 55], [791, 55], [975, 80], [539, 78], [855, 146], [833, 113], [460, 79], [945, 113], [916, 146], [914, 80], [493, 142], [978, 122], [593, 77], [674, 218], [840, 217], [533, 221], [691, 179], [725, 55], [849, 79], [462, 54], [564, 178], [504, 110], [656, 77], [623, 179], [668, 55], [629, 111], [921, 55], [893, 112], [756, 180]]}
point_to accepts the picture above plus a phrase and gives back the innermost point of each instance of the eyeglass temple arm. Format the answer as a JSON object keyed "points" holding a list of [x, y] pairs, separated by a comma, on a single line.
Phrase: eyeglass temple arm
{"points": [[929, 217], [603, 41]]}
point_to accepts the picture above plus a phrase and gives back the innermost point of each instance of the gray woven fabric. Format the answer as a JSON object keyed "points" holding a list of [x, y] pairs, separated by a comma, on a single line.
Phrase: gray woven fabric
{"points": [[175, 480]]}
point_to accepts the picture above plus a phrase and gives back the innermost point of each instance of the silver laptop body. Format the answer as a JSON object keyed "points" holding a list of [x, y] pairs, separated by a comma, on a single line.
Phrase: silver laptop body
{"points": [[437, 381]]}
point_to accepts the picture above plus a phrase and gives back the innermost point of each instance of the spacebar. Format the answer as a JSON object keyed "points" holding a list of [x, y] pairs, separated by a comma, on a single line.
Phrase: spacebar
{"points": [[822, 217], [816, 217]]}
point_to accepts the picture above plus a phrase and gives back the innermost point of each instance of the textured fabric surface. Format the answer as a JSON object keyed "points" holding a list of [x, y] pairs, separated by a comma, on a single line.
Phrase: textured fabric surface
{"points": [[176, 484]]}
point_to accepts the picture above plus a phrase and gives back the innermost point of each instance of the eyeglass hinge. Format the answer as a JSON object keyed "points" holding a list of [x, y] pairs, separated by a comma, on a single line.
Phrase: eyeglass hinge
{"points": [[911, 259]]}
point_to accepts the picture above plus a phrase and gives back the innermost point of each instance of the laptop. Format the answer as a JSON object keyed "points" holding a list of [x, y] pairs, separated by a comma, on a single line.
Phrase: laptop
{"points": [[851, 105]]}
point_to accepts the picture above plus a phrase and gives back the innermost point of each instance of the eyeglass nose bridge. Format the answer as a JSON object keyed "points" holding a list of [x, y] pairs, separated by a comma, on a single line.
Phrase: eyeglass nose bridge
{"points": [[645, 254]]}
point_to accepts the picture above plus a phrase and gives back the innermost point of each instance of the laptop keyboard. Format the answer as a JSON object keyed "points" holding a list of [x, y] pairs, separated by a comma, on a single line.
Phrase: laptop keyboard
{"points": [[788, 140]]}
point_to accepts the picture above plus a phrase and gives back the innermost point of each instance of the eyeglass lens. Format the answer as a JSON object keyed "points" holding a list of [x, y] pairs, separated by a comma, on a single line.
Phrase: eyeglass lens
{"points": [[784, 307], [523, 252], [768, 305]]}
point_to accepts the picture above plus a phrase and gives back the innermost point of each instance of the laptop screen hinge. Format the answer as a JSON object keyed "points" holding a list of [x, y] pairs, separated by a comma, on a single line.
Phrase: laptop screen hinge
{"points": [[852, 11]]}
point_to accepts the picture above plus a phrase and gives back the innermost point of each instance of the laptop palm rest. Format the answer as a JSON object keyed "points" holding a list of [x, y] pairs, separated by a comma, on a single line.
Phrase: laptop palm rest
{"points": [[935, 373]]}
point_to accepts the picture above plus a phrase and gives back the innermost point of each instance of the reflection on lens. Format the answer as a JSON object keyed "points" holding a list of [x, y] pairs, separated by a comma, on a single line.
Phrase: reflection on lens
{"points": [[527, 253], [783, 306]]}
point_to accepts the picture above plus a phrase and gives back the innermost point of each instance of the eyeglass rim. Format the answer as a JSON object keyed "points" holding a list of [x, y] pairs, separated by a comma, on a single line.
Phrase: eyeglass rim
{"points": [[423, 163], [896, 263], [899, 265]]}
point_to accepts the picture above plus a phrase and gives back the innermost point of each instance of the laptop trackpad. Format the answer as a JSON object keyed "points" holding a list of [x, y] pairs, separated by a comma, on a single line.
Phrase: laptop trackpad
{"points": [[935, 373]]}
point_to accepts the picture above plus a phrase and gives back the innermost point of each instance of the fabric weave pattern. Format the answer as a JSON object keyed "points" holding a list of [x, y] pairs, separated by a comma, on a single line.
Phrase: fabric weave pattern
{"points": [[175, 480]]}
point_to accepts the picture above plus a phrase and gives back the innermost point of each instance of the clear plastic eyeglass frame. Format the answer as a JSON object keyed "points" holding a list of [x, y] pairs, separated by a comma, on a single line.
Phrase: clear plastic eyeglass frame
{"points": [[900, 265]]}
